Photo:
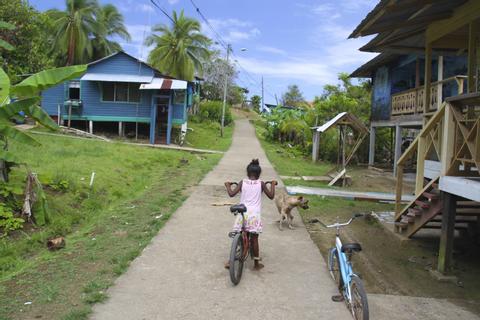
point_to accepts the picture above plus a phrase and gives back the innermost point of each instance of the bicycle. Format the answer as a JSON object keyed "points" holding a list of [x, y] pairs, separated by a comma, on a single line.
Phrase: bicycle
{"points": [[340, 268], [241, 246]]}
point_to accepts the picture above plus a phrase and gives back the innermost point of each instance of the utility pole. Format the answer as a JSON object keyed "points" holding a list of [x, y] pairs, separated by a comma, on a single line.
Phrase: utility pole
{"points": [[263, 102], [225, 91]]}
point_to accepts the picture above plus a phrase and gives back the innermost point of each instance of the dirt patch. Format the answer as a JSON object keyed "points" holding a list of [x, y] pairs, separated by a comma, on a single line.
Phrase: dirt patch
{"points": [[391, 266]]}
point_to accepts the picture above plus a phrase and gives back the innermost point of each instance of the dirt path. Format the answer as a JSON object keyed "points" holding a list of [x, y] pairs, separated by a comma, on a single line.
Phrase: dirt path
{"points": [[180, 275]]}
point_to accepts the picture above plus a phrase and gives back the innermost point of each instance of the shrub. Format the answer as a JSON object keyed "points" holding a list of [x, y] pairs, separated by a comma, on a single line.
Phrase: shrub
{"points": [[212, 110]]}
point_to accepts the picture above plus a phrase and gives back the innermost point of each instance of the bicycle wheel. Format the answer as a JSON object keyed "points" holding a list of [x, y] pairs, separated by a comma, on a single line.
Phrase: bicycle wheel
{"points": [[359, 303], [334, 267], [236, 259]]}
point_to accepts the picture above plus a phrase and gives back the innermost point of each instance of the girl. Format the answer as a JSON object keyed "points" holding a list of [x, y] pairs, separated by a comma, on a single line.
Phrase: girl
{"points": [[251, 189]]}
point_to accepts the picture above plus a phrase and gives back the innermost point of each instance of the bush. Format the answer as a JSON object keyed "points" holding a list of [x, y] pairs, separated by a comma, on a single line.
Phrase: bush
{"points": [[212, 110]]}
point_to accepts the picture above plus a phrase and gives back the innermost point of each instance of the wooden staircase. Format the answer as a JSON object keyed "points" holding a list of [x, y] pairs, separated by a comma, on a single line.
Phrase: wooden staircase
{"points": [[426, 212]]}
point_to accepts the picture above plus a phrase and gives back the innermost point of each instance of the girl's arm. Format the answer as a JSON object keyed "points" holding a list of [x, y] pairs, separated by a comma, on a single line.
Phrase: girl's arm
{"points": [[269, 192], [238, 188]]}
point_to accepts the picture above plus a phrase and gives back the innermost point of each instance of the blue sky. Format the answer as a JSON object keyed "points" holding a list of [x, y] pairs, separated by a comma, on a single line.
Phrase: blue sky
{"points": [[301, 42]]}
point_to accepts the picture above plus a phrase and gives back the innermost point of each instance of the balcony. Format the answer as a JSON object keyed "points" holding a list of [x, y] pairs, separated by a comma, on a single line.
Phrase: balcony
{"points": [[410, 102]]}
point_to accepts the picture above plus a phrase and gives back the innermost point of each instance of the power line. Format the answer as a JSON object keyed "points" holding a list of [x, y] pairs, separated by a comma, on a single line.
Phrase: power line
{"points": [[162, 10]]}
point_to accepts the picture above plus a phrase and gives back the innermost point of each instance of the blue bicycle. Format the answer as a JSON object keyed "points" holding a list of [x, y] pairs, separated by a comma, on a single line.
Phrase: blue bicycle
{"points": [[340, 267]]}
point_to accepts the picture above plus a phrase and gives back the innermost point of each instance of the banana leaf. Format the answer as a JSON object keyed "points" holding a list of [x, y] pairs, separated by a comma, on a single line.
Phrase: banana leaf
{"points": [[40, 207], [17, 135], [5, 45], [46, 79], [12, 109], [4, 87], [10, 157], [6, 25]]}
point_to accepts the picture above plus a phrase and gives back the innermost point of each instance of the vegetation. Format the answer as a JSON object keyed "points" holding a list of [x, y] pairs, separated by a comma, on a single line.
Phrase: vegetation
{"points": [[84, 30], [180, 49], [102, 233], [212, 111], [26, 35], [293, 126], [256, 102], [294, 97], [206, 135]]}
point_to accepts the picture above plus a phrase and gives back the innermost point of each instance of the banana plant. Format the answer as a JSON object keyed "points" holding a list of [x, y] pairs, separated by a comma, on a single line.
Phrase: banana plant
{"points": [[21, 100]]}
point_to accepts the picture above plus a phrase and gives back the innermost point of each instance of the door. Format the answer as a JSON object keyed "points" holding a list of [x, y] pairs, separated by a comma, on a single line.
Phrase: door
{"points": [[162, 105]]}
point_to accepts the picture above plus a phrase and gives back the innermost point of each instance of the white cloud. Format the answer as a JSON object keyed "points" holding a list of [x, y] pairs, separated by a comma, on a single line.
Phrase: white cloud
{"points": [[144, 8], [172, 1], [269, 49], [231, 30]]}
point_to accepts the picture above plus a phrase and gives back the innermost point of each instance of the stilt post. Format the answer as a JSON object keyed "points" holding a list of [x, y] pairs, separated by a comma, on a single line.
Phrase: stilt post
{"points": [[448, 232]]}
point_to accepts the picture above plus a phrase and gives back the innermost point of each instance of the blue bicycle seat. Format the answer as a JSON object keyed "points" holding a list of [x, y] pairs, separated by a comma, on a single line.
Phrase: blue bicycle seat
{"points": [[239, 208], [351, 247]]}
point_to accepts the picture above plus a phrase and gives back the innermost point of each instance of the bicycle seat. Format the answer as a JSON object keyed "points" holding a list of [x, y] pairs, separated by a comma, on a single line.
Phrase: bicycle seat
{"points": [[240, 208], [351, 247]]}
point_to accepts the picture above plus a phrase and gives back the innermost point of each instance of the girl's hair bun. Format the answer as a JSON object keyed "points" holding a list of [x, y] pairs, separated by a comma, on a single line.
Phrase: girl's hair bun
{"points": [[255, 162]]}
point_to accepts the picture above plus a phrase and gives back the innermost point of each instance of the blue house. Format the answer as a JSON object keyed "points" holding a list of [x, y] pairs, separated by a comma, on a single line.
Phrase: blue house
{"points": [[122, 89]]}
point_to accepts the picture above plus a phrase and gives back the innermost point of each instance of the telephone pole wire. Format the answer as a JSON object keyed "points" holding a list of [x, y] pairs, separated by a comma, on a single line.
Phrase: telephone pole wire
{"points": [[229, 47]]}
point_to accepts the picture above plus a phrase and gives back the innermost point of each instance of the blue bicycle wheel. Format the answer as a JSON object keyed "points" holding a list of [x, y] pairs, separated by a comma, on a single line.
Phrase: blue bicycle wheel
{"points": [[359, 302]]}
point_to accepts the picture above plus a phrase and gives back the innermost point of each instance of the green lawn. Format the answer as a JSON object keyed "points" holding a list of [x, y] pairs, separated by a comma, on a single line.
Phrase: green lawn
{"points": [[206, 135], [287, 161], [135, 191]]}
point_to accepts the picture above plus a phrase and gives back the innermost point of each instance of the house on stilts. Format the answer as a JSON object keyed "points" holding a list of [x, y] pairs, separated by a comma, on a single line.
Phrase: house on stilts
{"points": [[426, 78], [122, 91]]}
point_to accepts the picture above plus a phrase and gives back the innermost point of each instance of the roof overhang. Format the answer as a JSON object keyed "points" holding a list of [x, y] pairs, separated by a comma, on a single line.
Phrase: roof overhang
{"points": [[116, 78], [165, 84], [343, 118]]}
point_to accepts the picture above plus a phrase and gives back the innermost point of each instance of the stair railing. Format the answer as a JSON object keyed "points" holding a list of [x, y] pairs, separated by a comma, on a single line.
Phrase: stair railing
{"points": [[427, 143]]}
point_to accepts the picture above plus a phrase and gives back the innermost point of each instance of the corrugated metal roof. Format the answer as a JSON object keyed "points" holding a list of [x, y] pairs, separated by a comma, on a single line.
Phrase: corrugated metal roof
{"points": [[116, 77], [353, 121], [167, 84]]}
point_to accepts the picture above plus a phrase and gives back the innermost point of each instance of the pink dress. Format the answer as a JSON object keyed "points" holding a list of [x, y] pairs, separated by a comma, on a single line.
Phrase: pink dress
{"points": [[251, 197]]}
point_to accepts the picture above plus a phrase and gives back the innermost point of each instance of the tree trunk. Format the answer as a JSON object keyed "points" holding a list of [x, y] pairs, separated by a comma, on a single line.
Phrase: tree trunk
{"points": [[3, 171]]}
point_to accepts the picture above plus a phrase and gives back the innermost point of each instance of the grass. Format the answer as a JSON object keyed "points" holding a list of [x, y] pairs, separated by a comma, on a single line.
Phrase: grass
{"points": [[288, 161], [206, 135], [134, 193]]}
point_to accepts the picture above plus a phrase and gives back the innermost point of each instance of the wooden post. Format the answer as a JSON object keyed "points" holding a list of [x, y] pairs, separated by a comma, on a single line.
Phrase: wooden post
{"points": [[448, 140], [428, 78], [448, 232], [90, 127], [343, 153], [398, 148], [69, 114], [120, 129], [371, 148], [316, 145], [399, 189], [59, 114], [471, 58], [440, 83], [420, 164]]}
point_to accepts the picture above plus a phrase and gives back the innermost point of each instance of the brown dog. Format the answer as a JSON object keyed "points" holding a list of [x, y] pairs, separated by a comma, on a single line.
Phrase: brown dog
{"points": [[285, 204]]}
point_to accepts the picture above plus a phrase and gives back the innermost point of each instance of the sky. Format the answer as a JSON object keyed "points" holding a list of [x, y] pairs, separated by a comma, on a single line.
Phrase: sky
{"points": [[301, 42]]}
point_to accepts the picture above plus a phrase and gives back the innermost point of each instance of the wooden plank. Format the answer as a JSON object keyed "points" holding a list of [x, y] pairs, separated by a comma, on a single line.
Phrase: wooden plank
{"points": [[448, 140], [462, 16], [445, 253], [428, 78], [471, 71], [399, 189], [420, 164], [411, 203], [337, 177]]}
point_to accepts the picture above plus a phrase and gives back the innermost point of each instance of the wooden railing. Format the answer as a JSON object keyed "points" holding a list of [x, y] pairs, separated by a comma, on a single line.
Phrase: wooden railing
{"points": [[411, 101], [450, 137]]}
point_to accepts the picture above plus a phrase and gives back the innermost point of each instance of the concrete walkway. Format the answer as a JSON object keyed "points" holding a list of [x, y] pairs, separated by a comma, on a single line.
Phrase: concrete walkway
{"points": [[180, 275]]}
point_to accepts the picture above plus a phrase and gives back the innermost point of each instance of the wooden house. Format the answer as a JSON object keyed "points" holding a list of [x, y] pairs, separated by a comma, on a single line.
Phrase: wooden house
{"points": [[122, 89], [426, 76]]}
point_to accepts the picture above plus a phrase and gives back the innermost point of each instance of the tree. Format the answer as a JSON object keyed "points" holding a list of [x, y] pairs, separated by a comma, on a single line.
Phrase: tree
{"points": [[293, 97], [72, 29], [214, 72], [110, 23], [256, 100], [28, 35], [180, 49]]}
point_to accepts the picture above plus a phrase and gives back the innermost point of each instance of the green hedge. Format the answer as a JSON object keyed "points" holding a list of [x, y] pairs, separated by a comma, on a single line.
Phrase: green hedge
{"points": [[212, 110]]}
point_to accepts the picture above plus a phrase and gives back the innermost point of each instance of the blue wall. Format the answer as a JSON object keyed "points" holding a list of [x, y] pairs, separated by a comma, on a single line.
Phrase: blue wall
{"points": [[381, 94], [51, 98], [121, 63], [91, 95]]}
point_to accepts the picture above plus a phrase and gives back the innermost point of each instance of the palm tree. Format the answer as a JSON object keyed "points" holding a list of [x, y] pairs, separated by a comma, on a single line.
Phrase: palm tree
{"points": [[180, 49], [110, 23], [72, 29]]}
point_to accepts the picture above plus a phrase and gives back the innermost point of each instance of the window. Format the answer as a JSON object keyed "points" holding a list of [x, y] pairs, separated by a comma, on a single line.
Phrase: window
{"points": [[74, 90], [108, 91], [179, 97], [120, 92]]}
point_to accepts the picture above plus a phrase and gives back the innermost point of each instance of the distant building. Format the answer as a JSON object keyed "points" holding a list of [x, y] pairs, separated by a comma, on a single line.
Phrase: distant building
{"points": [[122, 89]]}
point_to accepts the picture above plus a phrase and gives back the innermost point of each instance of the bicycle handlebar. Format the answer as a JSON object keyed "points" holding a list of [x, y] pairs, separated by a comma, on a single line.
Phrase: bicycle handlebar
{"points": [[338, 225]]}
